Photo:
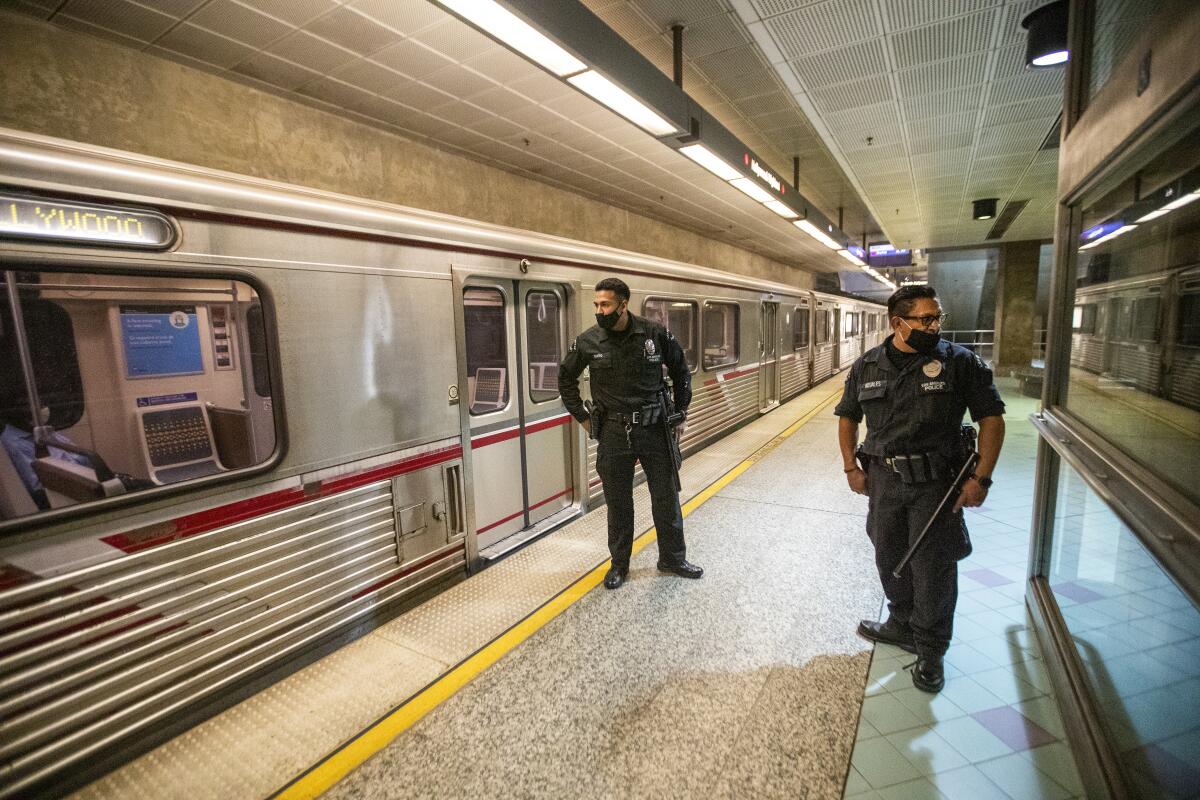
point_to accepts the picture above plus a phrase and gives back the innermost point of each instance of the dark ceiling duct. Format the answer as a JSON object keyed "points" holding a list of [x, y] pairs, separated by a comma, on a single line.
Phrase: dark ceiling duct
{"points": [[1011, 209]]}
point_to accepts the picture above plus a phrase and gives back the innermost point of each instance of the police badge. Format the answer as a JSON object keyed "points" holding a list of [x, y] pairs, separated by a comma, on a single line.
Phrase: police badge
{"points": [[650, 349]]}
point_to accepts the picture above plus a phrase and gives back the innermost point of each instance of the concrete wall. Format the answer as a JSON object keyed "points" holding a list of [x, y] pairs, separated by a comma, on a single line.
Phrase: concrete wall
{"points": [[1016, 305], [61, 83]]}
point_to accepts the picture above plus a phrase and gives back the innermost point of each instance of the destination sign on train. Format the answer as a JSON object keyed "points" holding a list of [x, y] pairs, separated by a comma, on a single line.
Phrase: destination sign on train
{"points": [[81, 223]]}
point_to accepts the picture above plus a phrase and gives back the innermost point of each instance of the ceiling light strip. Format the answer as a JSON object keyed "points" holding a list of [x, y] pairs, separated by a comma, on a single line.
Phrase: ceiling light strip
{"points": [[605, 91], [817, 233], [497, 21]]}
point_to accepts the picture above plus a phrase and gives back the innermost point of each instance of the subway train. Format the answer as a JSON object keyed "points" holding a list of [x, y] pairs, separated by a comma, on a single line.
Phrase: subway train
{"points": [[1142, 332], [240, 417]]}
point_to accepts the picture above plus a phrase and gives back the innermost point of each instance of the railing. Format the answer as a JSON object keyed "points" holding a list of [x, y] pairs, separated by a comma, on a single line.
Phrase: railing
{"points": [[979, 341]]}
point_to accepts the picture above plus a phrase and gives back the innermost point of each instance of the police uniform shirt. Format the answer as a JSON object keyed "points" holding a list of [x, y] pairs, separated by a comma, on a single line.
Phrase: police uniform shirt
{"points": [[625, 368], [919, 407]]}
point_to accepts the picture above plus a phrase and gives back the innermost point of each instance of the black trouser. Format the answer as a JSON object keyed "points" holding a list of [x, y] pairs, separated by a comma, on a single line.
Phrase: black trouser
{"points": [[926, 592], [615, 459]]}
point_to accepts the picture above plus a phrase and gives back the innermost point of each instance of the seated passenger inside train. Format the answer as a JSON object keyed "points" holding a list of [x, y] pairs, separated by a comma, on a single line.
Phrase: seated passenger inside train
{"points": [[140, 382]]}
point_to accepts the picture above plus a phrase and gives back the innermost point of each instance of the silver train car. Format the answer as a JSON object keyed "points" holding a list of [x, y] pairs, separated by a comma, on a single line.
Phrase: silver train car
{"points": [[266, 417], [1142, 332]]}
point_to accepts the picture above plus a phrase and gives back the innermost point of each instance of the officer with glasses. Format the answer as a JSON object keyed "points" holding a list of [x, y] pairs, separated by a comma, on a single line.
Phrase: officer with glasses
{"points": [[914, 390]]}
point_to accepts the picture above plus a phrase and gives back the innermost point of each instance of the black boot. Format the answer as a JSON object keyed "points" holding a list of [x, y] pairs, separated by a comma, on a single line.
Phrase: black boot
{"points": [[928, 674], [890, 632], [684, 569], [615, 577]]}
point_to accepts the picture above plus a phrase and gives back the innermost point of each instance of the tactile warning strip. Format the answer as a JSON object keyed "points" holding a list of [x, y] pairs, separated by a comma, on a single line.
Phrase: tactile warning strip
{"points": [[298, 721]]}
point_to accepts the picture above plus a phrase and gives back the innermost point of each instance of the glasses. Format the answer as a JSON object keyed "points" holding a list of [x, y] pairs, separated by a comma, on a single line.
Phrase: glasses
{"points": [[929, 320]]}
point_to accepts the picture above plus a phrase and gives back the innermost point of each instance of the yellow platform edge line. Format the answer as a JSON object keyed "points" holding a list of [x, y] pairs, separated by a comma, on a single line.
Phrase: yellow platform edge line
{"points": [[342, 761]]}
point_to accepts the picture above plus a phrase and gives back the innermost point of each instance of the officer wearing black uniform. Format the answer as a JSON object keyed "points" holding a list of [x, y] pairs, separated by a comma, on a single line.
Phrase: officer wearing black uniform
{"points": [[914, 390], [625, 355]]}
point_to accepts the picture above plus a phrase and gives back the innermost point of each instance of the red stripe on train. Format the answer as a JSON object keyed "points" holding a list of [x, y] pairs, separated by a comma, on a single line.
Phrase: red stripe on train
{"points": [[730, 375], [202, 521], [538, 504], [512, 433]]}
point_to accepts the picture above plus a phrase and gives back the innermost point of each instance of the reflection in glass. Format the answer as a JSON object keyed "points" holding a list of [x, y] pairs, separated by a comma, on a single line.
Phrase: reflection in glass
{"points": [[543, 336], [679, 317], [720, 334], [486, 330], [1138, 636], [1115, 31], [114, 384], [1135, 358], [800, 329]]}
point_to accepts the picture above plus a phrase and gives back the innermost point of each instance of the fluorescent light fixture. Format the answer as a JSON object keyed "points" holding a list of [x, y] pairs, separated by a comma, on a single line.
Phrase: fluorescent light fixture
{"points": [[752, 189], [705, 158], [622, 102], [1107, 236], [1155, 214], [1051, 59], [853, 259], [502, 24], [817, 233], [1178, 202], [781, 209]]}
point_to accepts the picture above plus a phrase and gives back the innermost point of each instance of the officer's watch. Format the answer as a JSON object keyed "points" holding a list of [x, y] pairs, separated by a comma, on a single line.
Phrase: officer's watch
{"points": [[984, 482]]}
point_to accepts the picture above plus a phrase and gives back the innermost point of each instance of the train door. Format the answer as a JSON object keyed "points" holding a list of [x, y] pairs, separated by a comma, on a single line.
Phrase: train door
{"points": [[1107, 329], [768, 369], [837, 338], [515, 338]]}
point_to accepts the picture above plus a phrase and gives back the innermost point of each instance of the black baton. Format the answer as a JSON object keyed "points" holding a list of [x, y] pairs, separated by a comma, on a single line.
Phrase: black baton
{"points": [[972, 460]]}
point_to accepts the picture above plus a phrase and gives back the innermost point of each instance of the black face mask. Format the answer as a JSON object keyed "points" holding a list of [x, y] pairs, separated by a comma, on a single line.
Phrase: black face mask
{"points": [[609, 321], [923, 341]]}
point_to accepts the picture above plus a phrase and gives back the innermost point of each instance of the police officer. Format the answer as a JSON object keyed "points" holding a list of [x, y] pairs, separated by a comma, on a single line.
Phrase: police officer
{"points": [[625, 355], [913, 390]]}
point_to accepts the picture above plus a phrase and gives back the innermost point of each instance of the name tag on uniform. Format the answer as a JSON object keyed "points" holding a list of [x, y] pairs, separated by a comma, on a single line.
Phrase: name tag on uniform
{"points": [[934, 387], [599, 360]]}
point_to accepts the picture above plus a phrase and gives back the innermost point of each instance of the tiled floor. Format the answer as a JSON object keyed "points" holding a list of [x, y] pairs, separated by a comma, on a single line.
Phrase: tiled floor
{"points": [[995, 730]]}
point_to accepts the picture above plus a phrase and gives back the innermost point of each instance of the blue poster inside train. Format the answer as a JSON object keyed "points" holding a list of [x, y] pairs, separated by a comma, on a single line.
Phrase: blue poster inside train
{"points": [[161, 340]]}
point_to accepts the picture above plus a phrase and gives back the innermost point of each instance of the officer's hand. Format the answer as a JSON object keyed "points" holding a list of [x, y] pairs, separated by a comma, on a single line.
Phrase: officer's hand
{"points": [[679, 430], [971, 496], [857, 480], [587, 426]]}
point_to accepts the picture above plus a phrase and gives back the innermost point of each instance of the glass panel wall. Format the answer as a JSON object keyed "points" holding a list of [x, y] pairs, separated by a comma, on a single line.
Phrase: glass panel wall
{"points": [[1137, 635], [1135, 366]]}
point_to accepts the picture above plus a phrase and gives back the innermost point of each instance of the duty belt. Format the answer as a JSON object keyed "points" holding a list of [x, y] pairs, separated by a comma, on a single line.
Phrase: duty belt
{"points": [[630, 418]]}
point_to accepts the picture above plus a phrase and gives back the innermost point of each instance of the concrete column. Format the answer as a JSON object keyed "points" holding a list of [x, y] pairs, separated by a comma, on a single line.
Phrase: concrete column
{"points": [[1016, 306]]}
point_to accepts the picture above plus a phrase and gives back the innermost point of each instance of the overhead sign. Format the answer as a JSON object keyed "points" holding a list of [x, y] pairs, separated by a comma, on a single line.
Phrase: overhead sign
{"points": [[883, 254], [49, 220], [762, 172]]}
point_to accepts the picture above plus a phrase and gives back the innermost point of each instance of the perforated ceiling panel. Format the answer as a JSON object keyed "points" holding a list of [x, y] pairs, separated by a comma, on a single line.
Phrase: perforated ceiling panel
{"points": [[928, 94]]}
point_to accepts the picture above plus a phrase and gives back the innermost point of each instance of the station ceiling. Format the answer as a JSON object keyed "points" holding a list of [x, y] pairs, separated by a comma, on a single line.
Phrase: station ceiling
{"points": [[901, 111]]}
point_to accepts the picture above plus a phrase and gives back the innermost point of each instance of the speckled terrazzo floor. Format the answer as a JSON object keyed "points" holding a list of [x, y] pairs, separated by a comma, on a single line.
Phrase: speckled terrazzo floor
{"points": [[746, 683]]}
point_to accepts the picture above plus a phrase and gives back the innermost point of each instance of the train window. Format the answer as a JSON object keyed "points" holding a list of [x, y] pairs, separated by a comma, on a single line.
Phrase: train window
{"points": [[119, 384], [1145, 319], [543, 340], [1084, 318], [680, 318], [487, 349], [822, 326], [721, 341], [1135, 256], [800, 329], [1188, 325]]}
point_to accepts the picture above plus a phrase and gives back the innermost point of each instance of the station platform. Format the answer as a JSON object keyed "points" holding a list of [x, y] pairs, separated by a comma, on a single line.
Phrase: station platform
{"points": [[530, 680]]}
